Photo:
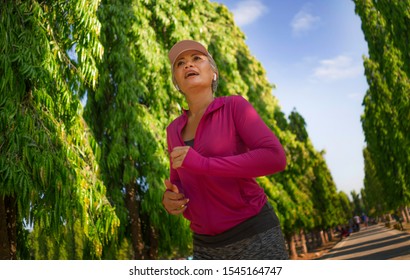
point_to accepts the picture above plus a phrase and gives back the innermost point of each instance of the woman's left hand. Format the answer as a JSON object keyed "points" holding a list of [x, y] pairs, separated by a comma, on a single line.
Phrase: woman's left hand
{"points": [[178, 155]]}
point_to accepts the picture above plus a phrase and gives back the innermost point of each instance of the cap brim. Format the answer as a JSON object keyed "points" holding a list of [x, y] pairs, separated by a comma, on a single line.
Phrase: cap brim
{"points": [[182, 46]]}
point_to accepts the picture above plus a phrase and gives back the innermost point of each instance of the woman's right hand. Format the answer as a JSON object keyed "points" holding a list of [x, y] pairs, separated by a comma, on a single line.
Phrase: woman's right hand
{"points": [[174, 202]]}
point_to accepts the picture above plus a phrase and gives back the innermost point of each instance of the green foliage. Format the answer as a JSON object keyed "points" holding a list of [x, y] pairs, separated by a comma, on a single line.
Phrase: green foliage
{"points": [[95, 192], [385, 121], [346, 207], [298, 126], [357, 203], [325, 196], [373, 196], [47, 162]]}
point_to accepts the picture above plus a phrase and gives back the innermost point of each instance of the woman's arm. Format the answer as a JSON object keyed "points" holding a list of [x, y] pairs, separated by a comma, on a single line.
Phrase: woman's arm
{"points": [[174, 202], [265, 156]]}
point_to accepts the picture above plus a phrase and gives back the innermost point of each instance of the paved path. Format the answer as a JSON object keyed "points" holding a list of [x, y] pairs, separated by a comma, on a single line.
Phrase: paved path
{"points": [[375, 242]]}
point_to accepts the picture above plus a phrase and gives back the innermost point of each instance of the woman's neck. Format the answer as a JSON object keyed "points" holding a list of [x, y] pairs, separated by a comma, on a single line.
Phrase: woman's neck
{"points": [[198, 103]]}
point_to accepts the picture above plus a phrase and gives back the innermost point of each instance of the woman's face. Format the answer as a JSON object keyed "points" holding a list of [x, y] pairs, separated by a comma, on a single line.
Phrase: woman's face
{"points": [[193, 70]]}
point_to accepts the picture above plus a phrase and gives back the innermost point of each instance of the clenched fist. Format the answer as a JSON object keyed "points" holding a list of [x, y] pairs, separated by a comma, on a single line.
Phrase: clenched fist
{"points": [[174, 202], [178, 155]]}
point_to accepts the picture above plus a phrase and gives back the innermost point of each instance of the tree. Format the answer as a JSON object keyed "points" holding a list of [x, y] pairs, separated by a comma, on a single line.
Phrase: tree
{"points": [[385, 121], [373, 189], [297, 125], [325, 195], [346, 207], [357, 203], [48, 172]]}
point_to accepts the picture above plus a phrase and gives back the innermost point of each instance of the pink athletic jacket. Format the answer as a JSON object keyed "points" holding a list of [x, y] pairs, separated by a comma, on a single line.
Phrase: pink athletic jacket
{"points": [[232, 146]]}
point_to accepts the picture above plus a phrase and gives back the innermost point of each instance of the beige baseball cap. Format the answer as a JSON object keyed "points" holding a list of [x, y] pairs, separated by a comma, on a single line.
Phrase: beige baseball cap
{"points": [[185, 45]]}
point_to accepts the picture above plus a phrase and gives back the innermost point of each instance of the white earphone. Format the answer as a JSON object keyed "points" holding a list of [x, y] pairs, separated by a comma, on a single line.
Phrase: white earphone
{"points": [[214, 76], [177, 87]]}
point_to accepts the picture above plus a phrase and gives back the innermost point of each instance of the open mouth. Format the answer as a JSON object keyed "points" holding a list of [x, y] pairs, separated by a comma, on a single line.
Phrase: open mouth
{"points": [[190, 74]]}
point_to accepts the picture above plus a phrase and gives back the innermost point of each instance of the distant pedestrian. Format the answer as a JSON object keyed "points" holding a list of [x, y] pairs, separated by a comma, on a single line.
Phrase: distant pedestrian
{"points": [[365, 220], [344, 232], [356, 220]]}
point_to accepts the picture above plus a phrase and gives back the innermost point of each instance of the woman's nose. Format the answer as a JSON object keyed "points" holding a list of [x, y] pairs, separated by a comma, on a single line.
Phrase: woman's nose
{"points": [[188, 64]]}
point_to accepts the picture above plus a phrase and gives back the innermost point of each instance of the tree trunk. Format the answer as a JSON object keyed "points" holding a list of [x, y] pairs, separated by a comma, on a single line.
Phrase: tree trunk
{"points": [[316, 238], [303, 242], [153, 251], [326, 235], [292, 247], [8, 226], [135, 221], [331, 234], [4, 237], [310, 240], [322, 238], [405, 214]]}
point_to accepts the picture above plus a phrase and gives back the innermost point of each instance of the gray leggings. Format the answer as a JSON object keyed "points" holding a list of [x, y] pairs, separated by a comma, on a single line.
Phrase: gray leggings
{"points": [[269, 245]]}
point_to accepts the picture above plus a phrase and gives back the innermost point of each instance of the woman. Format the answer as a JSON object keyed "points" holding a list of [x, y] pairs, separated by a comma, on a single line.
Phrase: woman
{"points": [[217, 148]]}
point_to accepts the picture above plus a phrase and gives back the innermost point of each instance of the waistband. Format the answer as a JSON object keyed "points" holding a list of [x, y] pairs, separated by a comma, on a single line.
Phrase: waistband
{"points": [[261, 222]]}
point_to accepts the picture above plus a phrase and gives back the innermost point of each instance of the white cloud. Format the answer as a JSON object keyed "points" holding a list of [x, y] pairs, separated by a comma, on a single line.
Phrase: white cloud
{"points": [[248, 11], [338, 68], [303, 21]]}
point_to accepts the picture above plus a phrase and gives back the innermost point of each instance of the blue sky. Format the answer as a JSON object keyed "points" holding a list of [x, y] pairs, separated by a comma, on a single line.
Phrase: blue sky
{"points": [[312, 51]]}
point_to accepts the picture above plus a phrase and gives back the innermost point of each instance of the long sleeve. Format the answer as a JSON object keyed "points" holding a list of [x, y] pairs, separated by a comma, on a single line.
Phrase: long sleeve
{"points": [[265, 154], [173, 174]]}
